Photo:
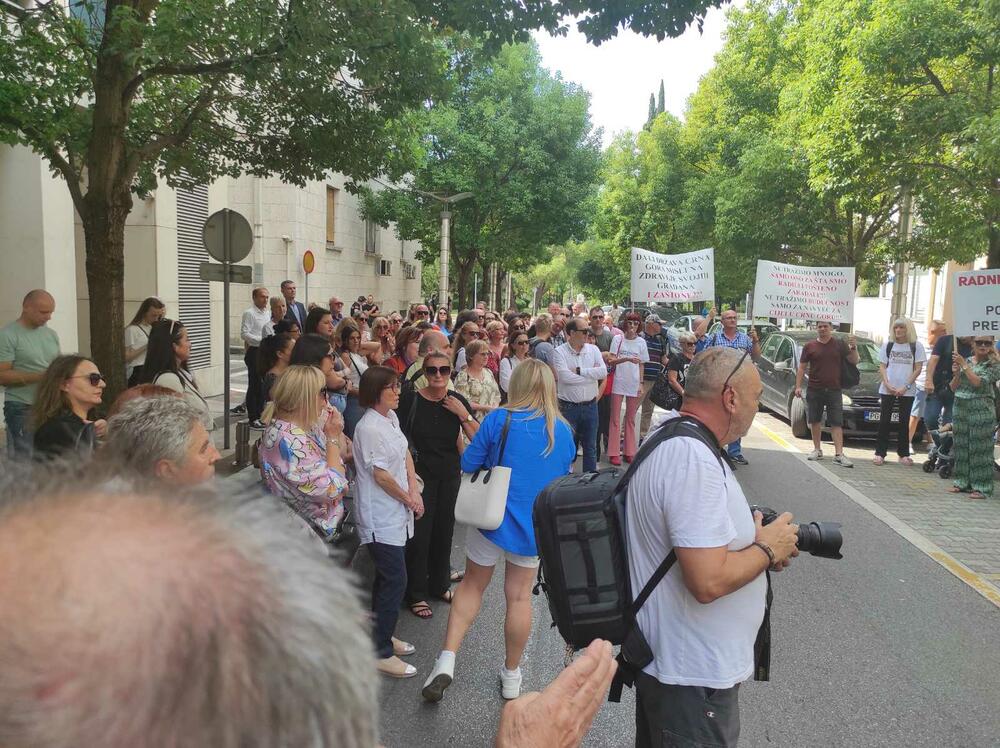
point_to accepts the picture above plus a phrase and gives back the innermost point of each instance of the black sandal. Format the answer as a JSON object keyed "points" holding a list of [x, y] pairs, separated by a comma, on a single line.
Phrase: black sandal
{"points": [[421, 610]]}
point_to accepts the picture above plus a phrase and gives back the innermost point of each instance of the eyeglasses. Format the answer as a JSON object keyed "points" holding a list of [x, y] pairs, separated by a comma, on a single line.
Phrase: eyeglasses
{"points": [[433, 371], [735, 369], [394, 387], [984, 342], [687, 343], [94, 378], [521, 342], [422, 313]]}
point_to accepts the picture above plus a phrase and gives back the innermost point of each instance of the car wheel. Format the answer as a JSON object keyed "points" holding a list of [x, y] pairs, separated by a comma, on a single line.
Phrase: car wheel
{"points": [[797, 418]]}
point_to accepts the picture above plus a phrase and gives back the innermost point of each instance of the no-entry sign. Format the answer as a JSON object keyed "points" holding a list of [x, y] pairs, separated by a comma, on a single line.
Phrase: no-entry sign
{"points": [[308, 261], [977, 302]]}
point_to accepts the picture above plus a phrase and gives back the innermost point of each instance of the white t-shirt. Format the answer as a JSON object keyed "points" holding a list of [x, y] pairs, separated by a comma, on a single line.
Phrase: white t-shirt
{"points": [[680, 496], [136, 336], [899, 366], [628, 376], [379, 443]]}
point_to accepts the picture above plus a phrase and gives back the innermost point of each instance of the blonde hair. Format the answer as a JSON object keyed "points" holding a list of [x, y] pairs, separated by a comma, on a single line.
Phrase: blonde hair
{"points": [[911, 330], [295, 396], [543, 322], [494, 325], [533, 389], [474, 348]]}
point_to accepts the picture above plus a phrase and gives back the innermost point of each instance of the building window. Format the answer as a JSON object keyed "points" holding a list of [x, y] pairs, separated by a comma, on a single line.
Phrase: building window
{"points": [[331, 212], [385, 267], [409, 270], [371, 237]]}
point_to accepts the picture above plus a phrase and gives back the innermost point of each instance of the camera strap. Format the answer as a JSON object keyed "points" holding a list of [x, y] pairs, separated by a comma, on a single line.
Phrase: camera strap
{"points": [[762, 645]]}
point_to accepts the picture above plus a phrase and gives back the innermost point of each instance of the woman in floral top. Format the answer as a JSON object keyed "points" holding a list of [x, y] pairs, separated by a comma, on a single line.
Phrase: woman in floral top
{"points": [[476, 382], [300, 452]]}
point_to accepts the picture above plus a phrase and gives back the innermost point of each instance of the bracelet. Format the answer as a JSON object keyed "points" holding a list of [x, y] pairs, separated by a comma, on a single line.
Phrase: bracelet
{"points": [[767, 549], [334, 442]]}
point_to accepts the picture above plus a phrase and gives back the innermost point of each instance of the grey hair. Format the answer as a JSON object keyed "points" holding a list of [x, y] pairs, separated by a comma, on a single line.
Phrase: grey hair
{"points": [[707, 374], [687, 337], [195, 618], [149, 429]]}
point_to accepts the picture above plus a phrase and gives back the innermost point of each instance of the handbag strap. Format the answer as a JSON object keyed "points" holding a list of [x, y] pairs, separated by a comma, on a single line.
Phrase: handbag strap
{"points": [[503, 437]]}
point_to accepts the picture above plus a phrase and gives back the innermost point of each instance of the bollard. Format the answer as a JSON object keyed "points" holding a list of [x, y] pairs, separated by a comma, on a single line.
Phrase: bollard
{"points": [[241, 456]]}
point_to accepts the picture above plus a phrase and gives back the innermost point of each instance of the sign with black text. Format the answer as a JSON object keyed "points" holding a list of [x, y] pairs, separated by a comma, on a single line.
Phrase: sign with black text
{"points": [[976, 297], [673, 278], [797, 292]]}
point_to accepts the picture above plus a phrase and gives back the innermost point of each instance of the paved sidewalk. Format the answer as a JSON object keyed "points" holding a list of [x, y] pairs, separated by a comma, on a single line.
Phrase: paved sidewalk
{"points": [[967, 529]]}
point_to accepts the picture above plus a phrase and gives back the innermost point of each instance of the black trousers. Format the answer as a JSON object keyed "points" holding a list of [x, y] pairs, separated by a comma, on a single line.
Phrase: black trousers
{"points": [[255, 403], [603, 423], [888, 404], [428, 552], [387, 593], [668, 716]]}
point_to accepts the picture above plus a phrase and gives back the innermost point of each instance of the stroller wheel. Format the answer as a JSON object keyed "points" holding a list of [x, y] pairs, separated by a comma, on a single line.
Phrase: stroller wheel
{"points": [[945, 471], [929, 465]]}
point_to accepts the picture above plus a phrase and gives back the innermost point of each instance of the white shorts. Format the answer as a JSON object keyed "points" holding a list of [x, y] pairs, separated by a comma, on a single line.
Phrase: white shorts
{"points": [[481, 550]]}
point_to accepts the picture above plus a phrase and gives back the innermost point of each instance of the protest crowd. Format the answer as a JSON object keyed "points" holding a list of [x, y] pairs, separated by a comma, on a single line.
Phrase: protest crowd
{"points": [[364, 423]]}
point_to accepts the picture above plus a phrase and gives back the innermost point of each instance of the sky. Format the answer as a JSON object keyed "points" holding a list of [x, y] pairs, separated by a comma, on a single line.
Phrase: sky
{"points": [[622, 73]]}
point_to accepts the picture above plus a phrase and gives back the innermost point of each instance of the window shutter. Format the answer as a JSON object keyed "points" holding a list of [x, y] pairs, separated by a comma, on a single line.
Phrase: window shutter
{"points": [[195, 303]]}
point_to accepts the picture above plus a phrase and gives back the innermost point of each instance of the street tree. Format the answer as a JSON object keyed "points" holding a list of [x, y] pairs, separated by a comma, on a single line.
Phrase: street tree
{"points": [[115, 93]]}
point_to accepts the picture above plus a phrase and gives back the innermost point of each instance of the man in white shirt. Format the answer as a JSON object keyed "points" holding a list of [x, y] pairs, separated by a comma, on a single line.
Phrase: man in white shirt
{"points": [[579, 366], [702, 619], [252, 330]]}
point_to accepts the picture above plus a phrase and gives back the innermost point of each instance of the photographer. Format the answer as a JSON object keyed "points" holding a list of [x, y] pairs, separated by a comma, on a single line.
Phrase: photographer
{"points": [[702, 619]]}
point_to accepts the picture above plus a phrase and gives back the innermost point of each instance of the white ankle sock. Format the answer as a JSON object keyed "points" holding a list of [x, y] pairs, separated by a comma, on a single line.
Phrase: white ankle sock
{"points": [[511, 673], [446, 659]]}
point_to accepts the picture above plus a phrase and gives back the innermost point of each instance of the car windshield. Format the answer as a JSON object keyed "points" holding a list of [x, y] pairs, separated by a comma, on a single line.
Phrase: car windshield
{"points": [[867, 356]]}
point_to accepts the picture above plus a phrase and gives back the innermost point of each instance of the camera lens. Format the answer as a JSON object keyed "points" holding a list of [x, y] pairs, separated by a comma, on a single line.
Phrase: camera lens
{"points": [[822, 539]]}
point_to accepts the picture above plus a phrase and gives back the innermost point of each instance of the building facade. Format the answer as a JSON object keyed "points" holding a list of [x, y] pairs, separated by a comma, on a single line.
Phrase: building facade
{"points": [[41, 246]]}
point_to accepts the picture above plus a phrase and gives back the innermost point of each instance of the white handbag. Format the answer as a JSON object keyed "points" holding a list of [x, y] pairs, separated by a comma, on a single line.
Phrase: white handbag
{"points": [[482, 498]]}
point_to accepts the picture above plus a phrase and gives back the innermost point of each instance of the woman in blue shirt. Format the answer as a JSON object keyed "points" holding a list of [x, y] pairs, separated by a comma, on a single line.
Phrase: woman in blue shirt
{"points": [[539, 449]]}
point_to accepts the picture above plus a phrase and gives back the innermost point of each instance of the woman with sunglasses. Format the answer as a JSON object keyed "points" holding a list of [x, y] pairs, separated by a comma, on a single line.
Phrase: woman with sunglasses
{"points": [[314, 350], [382, 335], [167, 363], [677, 365], [434, 421], [974, 382], [68, 393], [476, 382], [387, 499], [301, 450], [443, 320], [628, 353], [518, 347], [465, 335]]}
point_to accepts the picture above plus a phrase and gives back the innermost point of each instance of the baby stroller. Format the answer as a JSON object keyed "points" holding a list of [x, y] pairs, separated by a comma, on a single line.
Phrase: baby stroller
{"points": [[940, 457]]}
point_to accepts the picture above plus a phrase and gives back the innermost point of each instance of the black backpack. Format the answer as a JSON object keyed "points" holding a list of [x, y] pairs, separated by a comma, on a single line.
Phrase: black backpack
{"points": [[850, 376], [579, 523]]}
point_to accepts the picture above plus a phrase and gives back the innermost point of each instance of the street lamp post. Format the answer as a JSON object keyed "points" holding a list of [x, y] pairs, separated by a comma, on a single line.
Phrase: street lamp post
{"points": [[445, 237]]}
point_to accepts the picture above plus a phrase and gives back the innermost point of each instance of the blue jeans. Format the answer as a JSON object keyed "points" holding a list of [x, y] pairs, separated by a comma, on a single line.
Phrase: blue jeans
{"points": [[388, 589], [937, 410], [582, 419], [734, 448], [16, 417]]}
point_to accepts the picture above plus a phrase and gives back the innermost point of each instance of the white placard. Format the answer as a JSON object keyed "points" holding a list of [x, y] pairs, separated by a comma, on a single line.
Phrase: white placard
{"points": [[798, 292], [669, 278], [976, 297]]}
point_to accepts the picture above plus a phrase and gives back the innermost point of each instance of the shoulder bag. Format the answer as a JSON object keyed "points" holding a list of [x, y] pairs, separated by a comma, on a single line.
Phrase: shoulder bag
{"points": [[482, 497], [662, 394], [850, 376], [609, 382]]}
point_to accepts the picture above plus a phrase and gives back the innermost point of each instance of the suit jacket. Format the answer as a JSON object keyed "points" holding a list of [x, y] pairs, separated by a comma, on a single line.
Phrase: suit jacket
{"points": [[291, 314]]}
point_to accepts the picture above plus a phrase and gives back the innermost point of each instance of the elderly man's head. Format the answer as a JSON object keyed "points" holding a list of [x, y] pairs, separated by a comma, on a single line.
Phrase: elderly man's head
{"points": [[722, 389], [163, 438], [188, 618], [433, 341]]}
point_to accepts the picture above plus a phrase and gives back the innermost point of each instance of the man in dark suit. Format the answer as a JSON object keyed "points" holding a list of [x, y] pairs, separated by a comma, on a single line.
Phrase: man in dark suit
{"points": [[296, 311]]}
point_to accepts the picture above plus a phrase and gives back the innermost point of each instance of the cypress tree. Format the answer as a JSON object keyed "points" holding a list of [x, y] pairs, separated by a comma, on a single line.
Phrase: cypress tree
{"points": [[660, 104], [652, 110]]}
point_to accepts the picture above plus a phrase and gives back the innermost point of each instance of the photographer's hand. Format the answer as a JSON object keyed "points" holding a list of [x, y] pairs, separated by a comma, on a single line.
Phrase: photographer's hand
{"points": [[780, 536]]}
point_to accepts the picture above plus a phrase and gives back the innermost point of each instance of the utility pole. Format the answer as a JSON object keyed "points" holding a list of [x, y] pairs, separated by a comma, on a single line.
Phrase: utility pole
{"points": [[900, 280]]}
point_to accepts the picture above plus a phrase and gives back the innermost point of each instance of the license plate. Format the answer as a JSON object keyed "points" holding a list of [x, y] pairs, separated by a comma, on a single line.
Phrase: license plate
{"points": [[874, 416]]}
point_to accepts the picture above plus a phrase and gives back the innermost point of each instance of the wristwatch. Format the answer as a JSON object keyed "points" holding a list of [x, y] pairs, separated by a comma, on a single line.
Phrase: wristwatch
{"points": [[469, 418], [578, 371]]}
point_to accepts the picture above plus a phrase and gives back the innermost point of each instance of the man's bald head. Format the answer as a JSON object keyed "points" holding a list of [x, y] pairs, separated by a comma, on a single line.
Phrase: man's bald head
{"points": [[722, 389], [37, 307], [192, 619], [433, 341], [709, 370]]}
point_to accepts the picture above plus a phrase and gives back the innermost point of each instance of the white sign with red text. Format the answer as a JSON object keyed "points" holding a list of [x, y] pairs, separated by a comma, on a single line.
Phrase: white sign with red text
{"points": [[976, 295], [670, 278], [797, 292]]}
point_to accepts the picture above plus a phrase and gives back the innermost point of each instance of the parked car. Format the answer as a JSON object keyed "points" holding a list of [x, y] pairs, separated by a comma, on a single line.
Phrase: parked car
{"points": [[684, 323], [779, 360], [764, 329], [665, 312]]}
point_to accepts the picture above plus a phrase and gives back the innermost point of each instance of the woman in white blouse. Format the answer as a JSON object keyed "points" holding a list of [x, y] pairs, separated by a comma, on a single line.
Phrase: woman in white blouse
{"points": [[517, 345], [628, 353], [137, 337], [387, 499], [167, 362]]}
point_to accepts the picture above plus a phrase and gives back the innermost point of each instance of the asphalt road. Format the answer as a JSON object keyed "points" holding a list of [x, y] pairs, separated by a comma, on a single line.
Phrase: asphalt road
{"points": [[883, 648]]}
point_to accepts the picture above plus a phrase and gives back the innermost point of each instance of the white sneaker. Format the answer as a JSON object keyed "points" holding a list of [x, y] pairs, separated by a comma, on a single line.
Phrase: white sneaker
{"points": [[510, 684], [843, 461], [439, 679], [816, 454]]}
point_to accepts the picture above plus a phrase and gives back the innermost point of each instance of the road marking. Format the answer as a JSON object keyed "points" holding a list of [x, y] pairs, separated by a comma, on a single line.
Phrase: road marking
{"points": [[978, 582]]}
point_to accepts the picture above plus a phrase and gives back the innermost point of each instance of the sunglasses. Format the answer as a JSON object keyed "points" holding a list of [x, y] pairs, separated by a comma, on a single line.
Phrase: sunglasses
{"points": [[521, 342], [433, 371], [94, 378], [735, 369], [687, 343], [984, 342], [423, 313]]}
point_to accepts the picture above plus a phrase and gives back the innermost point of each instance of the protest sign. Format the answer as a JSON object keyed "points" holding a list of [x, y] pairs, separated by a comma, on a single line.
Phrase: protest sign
{"points": [[797, 292], [668, 278], [976, 299]]}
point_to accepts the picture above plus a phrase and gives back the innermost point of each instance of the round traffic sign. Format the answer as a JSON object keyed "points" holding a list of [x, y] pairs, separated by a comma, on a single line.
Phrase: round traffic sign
{"points": [[227, 236], [308, 261]]}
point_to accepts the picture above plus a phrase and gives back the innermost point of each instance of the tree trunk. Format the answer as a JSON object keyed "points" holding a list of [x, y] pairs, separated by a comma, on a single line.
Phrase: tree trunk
{"points": [[104, 237], [464, 271]]}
